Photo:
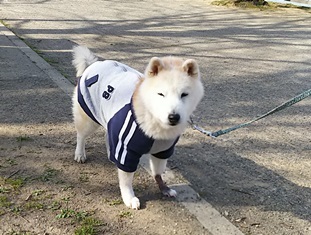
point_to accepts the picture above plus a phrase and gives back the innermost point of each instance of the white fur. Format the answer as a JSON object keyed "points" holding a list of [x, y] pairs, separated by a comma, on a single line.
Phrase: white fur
{"points": [[157, 165], [152, 109], [128, 196], [84, 127], [155, 98], [82, 58]]}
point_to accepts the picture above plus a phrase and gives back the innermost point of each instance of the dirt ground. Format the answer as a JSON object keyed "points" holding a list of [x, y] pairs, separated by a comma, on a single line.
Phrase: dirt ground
{"points": [[40, 182], [259, 177]]}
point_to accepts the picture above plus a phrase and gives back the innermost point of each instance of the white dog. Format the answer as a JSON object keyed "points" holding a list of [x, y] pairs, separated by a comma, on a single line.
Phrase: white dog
{"points": [[142, 113]]}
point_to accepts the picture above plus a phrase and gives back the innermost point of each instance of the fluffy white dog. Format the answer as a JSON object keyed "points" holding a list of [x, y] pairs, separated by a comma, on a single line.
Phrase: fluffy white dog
{"points": [[142, 113]]}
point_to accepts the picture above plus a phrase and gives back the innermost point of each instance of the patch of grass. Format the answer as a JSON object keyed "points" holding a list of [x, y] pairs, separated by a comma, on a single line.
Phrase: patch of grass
{"points": [[5, 24], [32, 47], [38, 192], [48, 174], [67, 187], [256, 4], [15, 183], [55, 206], [124, 214], [23, 138], [88, 226], [11, 162], [65, 213], [49, 60], [113, 202], [84, 178], [69, 213], [33, 205], [8, 185], [4, 190], [251, 3], [81, 215], [38, 195], [4, 202], [34, 151], [85, 230], [35, 201], [16, 209], [41, 53], [7, 188], [260, 4], [2, 212], [13, 232]]}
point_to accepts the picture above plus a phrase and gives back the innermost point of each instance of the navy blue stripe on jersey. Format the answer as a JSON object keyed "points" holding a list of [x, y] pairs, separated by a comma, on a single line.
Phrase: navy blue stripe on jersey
{"points": [[127, 141], [90, 81], [84, 105]]}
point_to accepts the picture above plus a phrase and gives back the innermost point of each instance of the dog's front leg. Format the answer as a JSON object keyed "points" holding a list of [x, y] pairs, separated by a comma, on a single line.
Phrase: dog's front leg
{"points": [[167, 191], [126, 187], [158, 167], [80, 149]]}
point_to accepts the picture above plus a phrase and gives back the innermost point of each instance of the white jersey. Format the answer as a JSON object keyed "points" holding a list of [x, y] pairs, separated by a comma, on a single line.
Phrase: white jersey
{"points": [[105, 93]]}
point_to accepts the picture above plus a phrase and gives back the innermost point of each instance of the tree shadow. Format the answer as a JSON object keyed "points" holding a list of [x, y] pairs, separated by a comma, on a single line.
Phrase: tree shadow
{"points": [[227, 179]]}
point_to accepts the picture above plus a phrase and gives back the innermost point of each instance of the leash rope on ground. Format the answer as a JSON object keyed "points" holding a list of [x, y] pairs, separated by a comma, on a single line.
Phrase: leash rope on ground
{"points": [[287, 104]]}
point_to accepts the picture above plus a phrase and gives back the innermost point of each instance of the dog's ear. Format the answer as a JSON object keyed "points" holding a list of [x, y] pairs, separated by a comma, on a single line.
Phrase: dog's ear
{"points": [[154, 67], [191, 67]]}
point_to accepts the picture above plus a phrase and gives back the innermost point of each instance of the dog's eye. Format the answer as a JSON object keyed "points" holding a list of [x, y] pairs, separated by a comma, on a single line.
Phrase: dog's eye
{"points": [[184, 95], [161, 94]]}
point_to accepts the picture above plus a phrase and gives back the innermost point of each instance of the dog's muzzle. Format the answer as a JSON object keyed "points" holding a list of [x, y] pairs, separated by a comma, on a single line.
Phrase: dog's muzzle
{"points": [[173, 119]]}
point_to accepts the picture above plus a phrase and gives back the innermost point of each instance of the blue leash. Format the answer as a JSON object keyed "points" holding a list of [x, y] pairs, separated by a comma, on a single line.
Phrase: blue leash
{"points": [[287, 104]]}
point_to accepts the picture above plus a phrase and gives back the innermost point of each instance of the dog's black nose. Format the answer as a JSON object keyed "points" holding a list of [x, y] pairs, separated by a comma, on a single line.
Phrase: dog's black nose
{"points": [[173, 118]]}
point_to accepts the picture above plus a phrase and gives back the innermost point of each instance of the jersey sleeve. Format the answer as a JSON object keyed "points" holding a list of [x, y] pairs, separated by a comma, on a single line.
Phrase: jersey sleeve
{"points": [[127, 142]]}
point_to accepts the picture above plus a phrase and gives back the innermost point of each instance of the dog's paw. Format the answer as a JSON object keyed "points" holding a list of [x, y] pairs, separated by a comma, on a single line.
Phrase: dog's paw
{"points": [[81, 158], [133, 203], [169, 192]]}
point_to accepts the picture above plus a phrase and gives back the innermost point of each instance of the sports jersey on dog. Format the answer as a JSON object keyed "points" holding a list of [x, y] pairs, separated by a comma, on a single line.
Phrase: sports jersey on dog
{"points": [[104, 93]]}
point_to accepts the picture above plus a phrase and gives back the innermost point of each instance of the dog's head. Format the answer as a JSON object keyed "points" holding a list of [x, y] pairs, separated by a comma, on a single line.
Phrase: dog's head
{"points": [[171, 90]]}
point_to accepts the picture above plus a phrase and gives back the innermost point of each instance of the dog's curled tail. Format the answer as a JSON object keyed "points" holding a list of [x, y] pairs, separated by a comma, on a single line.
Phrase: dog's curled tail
{"points": [[82, 58]]}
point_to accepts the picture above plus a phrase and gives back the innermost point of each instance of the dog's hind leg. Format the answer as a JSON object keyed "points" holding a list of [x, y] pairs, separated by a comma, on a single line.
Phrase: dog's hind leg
{"points": [[126, 187], [85, 126], [158, 166], [82, 133]]}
